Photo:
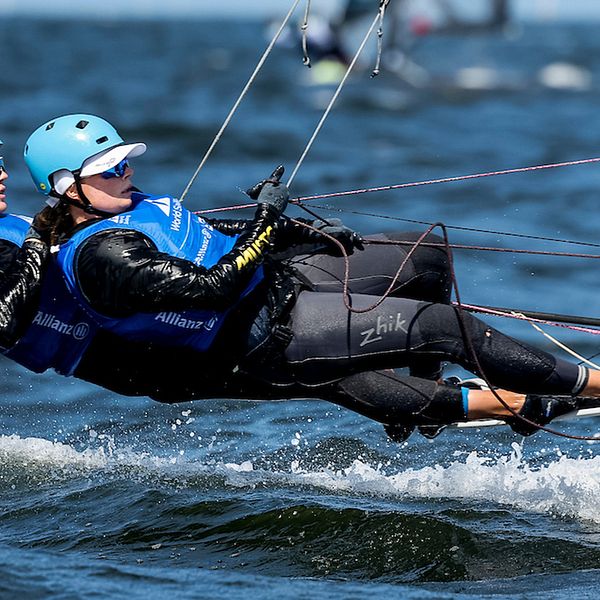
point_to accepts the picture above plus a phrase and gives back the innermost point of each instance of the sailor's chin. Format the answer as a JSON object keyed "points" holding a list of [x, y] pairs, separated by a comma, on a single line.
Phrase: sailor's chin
{"points": [[3, 205]]}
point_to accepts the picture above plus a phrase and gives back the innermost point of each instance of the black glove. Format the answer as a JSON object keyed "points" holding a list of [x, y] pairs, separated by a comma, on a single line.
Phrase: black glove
{"points": [[349, 238], [271, 191]]}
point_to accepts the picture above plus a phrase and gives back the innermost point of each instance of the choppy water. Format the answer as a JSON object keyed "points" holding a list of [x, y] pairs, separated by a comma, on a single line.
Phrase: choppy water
{"points": [[107, 496]]}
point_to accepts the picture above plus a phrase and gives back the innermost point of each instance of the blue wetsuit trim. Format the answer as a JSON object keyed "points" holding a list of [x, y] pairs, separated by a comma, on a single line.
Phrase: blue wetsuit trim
{"points": [[465, 399]]}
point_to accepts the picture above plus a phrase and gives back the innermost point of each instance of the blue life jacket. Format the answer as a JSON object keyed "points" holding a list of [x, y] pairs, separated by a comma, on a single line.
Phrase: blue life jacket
{"points": [[13, 228], [60, 331], [34, 350], [65, 325]]}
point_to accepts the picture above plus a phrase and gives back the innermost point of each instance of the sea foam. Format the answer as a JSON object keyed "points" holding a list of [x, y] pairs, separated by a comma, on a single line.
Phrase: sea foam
{"points": [[563, 486]]}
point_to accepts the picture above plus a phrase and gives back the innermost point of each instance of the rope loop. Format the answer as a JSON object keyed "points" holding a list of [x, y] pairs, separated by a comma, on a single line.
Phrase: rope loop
{"points": [[460, 312]]}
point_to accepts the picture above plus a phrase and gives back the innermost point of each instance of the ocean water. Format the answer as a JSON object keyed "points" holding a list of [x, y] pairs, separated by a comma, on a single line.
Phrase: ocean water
{"points": [[105, 496]]}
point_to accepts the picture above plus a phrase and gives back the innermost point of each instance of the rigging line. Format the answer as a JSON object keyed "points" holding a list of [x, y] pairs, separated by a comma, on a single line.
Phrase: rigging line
{"points": [[404, 220], [460, 314], [454, 246], [564, 347], [469, 346], [332, 101], [593, 356], [511, 315], [250, 81], [454, 227], [400, 186], [382, 6], [539, 317], [484, 248], [303, 28], [346, 294]]}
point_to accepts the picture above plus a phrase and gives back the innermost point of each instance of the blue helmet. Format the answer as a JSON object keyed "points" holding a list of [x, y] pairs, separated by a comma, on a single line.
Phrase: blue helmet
{"points": [[65, 143]]}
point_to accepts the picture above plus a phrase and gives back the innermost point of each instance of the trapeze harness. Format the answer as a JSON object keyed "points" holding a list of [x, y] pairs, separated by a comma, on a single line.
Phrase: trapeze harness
{"points": [[65, 324]]}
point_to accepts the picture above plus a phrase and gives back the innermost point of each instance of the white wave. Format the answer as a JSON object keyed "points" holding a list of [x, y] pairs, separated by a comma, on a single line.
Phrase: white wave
{"points": [[41, 453], [568, 487], [44, 453]]}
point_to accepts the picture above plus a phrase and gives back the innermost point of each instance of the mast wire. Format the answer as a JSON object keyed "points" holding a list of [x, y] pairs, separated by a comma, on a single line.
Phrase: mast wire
{"points": [[233, 110]]}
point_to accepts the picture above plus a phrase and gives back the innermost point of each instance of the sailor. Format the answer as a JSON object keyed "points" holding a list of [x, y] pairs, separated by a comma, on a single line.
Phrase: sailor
{"points": [[22, 259], [220, 309]]}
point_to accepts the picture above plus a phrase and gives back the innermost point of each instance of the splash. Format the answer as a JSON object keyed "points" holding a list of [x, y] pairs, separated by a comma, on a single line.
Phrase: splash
{"points": [[564, 486], [567, 487], [38, 453]]}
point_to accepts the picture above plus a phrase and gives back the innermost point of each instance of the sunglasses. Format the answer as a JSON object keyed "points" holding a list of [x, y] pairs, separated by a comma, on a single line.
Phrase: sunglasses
{"points": [[117, 171], [2, 167]]}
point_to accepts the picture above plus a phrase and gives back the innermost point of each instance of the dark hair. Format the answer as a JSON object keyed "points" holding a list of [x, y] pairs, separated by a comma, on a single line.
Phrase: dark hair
{"points": [[54, 222]]}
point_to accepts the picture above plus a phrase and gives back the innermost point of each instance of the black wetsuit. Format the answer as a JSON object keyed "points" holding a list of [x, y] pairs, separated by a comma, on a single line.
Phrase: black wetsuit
{"points": [[293, 337], [21, 272]]}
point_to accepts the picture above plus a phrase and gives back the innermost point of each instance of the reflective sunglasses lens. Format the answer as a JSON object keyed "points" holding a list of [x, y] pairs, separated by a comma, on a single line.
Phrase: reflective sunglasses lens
{"points": [[122, 167], [117, 171]]}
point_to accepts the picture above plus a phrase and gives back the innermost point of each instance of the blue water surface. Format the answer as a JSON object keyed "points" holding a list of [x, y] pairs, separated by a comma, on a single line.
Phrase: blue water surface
{"points": [[105, 496]]}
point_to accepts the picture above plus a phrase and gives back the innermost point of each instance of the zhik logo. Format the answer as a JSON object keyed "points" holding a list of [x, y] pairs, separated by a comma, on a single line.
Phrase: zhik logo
{"points": [[383, 326]]}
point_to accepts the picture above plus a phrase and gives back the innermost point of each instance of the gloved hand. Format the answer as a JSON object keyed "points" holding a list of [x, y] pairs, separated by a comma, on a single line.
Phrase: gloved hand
{"points": [[271, 191], [349, 238]]}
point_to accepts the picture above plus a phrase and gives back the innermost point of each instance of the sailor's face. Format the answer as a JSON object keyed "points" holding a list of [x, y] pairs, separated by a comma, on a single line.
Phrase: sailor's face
{"points": [[111, 195], [3, 178]]}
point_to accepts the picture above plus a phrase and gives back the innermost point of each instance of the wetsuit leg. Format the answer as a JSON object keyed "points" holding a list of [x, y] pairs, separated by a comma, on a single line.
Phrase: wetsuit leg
{"points": [[426, 276], [392, 399], [330, 343]]}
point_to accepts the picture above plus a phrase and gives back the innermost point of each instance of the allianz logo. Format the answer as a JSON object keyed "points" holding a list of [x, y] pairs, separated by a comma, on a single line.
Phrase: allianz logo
{"points": [[177, 320], [79, 331]]}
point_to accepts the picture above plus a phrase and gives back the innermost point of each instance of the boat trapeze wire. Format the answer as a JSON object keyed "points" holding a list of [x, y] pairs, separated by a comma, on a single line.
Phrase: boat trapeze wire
{"points": [[527, 236], [301, 199], [243, 93], [563, 346], [400, 186], [555, 320], [304, 30], [378, 19]]}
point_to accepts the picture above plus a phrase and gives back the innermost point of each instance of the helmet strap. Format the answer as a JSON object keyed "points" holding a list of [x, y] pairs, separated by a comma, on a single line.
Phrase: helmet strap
{"points": [[85, 205]]}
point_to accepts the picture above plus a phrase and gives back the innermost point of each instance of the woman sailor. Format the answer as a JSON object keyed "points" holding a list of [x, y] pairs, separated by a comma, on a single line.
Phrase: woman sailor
{"points": [[215, 313], [22, 259]]}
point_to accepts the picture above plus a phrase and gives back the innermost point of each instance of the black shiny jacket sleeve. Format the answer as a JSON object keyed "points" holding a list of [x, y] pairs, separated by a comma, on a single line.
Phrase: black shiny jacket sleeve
{"points": [[8, 254], [20, 284], [121, 272], [289, 236]]}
